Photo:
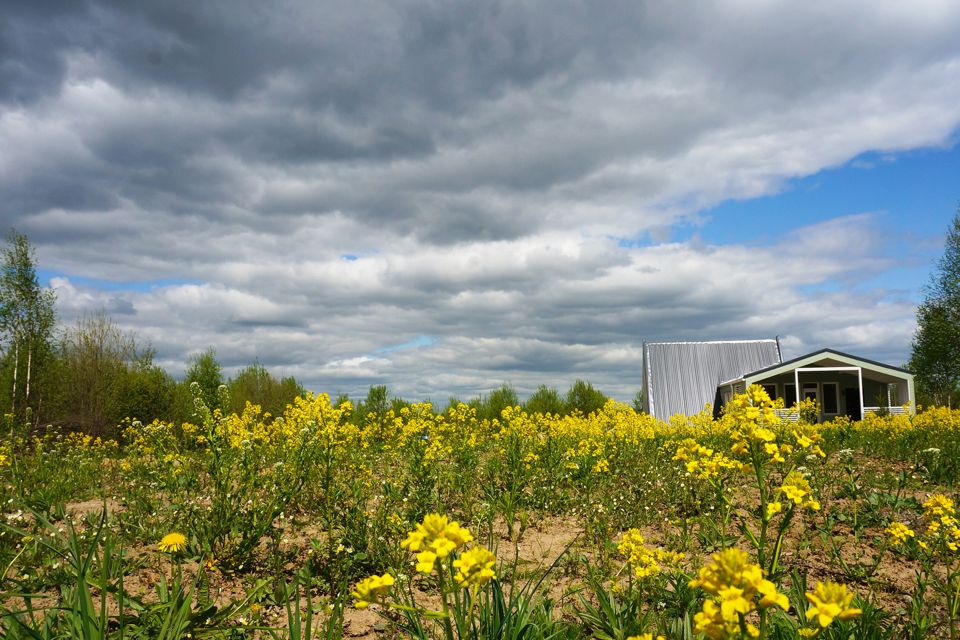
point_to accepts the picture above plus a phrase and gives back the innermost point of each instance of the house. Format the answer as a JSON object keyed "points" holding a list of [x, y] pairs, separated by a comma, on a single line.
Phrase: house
{"points": [[682, 377]]}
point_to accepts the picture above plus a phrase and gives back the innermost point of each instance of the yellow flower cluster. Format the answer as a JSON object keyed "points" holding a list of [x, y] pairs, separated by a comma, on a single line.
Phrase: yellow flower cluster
{"points": [[796, 488], [645, 636], [643, 560], [807, 436], [899, 532], [475, 567], [830, 601], [437, 537], [738, 588], [371, 589], [943, 529], [752, 414], [703, 461]]}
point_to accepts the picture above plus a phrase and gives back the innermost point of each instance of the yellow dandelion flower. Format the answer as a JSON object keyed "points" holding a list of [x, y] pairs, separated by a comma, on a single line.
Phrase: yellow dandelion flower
{"points": [[172, 543]]}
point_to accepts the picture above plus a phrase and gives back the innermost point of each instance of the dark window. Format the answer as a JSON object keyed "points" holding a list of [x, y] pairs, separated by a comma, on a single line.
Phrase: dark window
{"points": [[789, 395], [771, 390], [830, 398]]}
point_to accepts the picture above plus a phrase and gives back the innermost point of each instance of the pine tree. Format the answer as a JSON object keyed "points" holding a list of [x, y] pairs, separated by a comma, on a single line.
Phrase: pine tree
{"points": [[27, 320], [935, 357]]}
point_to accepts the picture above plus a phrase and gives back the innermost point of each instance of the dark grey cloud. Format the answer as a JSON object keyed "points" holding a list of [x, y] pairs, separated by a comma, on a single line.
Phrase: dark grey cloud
{"points": [[479, 160]]}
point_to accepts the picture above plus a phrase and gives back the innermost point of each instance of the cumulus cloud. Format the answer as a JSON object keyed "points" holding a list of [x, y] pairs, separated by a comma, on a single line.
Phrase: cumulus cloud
{"points": [[479, 160]]}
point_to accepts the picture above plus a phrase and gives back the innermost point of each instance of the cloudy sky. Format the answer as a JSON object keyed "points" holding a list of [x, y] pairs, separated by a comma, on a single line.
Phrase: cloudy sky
{"points": [[444, 196]]}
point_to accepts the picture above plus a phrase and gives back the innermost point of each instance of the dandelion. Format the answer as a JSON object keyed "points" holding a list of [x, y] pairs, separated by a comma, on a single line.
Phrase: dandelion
{"points": [[172, 543], [830, 601]]}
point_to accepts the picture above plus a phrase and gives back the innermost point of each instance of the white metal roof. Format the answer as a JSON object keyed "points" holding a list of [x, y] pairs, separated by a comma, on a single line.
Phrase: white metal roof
{"points": [[681, 377]]}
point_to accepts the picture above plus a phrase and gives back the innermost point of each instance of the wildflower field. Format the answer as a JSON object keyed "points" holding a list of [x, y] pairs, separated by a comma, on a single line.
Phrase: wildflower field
{"points": [[430, 524]]}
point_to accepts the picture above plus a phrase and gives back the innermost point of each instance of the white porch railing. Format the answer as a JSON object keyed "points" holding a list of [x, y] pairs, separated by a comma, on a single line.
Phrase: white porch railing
{"points": [[793, 416], [895, 411]]}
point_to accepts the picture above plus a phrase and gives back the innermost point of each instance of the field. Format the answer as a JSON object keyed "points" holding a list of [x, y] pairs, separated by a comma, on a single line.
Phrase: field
{"points": [[439, 525]]}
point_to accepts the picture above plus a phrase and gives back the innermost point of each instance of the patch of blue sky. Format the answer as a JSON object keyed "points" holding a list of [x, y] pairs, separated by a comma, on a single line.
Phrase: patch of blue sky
{"points": [[349, 257], [419, 341], [914, 195], [45, 275]]}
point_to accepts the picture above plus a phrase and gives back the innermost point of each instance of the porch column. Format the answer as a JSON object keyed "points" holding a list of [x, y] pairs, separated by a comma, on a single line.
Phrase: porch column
{"points": [[860, 379], [796, 388]]}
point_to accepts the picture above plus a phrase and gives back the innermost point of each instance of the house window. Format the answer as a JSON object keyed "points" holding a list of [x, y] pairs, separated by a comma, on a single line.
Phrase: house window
{"points": [[831, 398], [771, 390], [789, 395], [810, 392]]}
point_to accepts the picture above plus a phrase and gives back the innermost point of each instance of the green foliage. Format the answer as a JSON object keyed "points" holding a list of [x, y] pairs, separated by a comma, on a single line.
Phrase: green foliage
{"points": [[377, 403], [105, 376], [499, 399], [545, 400], [584, 398], [935, 357], [146, 391], [638, 401], [256, 385], [206, 371]]}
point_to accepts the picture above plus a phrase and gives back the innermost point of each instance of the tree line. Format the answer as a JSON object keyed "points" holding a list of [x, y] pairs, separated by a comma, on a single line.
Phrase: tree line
{"points": [[93, 376]]}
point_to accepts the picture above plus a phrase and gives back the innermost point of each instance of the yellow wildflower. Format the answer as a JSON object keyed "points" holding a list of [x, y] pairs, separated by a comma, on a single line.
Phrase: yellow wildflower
{"points": [[899, 532], [773, 508], [438, 537], [643, 560], [475, 567], [939, 505], [796, 488], [426, 561], [371, 589], [830, 601], [735, 584], [172, 543]]}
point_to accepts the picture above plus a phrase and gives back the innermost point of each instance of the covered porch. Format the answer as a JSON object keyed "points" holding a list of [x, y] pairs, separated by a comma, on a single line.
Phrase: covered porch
{"points": [[840, 383]]}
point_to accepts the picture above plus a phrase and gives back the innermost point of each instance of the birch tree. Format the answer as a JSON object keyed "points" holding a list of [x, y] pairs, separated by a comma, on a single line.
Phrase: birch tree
{"points": [[27, 320]]}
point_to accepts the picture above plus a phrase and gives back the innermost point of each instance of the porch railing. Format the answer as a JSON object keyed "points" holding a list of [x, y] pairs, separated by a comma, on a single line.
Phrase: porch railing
{"points": [[894, 411], [793, 416]]}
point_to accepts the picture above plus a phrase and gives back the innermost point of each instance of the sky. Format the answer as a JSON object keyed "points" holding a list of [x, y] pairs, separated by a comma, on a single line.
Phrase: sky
{"points": [[446, 196]]}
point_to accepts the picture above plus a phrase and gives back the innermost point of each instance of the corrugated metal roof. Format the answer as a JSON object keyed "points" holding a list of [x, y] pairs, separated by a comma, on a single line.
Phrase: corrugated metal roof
{"points": [[681, 377]]}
